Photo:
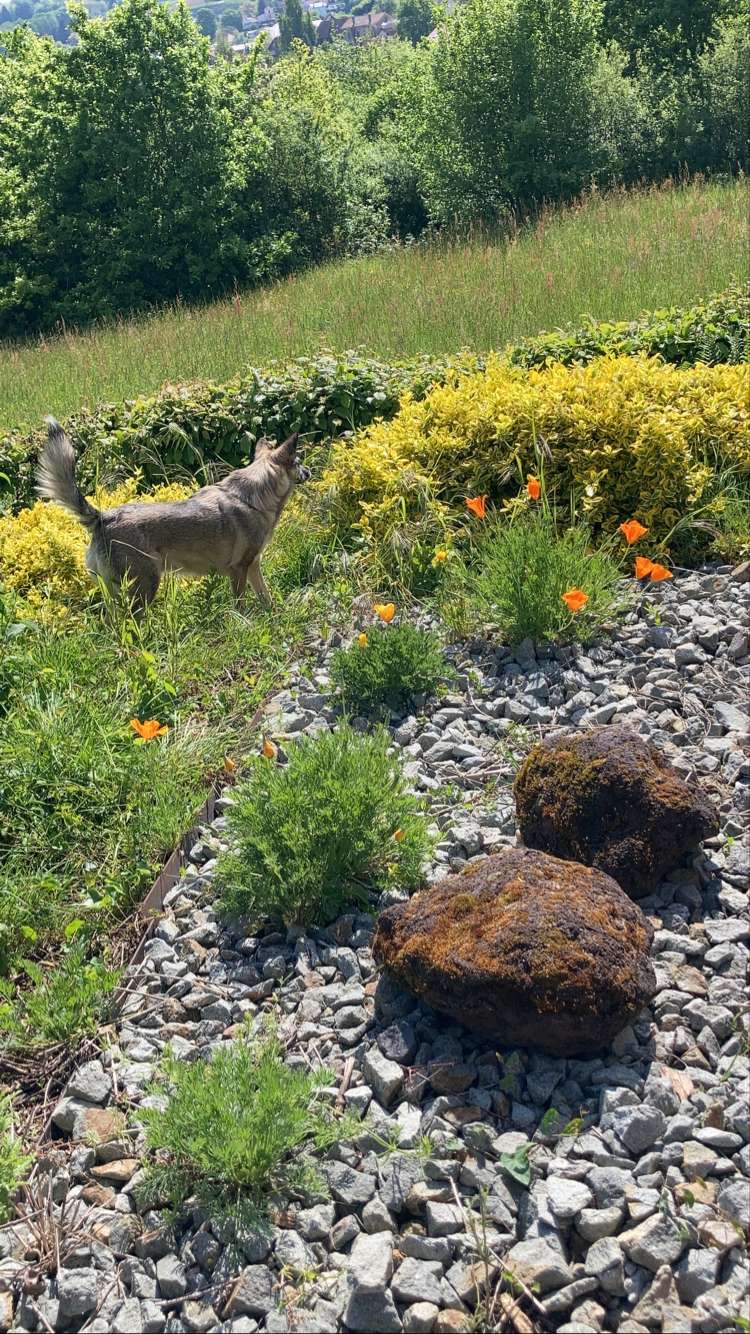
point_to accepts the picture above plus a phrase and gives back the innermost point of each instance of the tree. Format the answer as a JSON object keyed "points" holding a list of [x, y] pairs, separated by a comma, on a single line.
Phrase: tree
{"points": [[295, 23], [231, 18], [504, 113], [669, 33], [117, 168], [206, 20], [416, 18]]}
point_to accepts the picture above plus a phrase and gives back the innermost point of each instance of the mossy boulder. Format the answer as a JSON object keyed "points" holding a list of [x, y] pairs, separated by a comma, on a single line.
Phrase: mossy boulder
{"points": [[609, 799], [532, 950]]}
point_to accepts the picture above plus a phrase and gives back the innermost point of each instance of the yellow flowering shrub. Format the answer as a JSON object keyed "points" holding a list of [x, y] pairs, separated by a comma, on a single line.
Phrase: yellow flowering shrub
{"points": [[42, 549], [623, 436]]}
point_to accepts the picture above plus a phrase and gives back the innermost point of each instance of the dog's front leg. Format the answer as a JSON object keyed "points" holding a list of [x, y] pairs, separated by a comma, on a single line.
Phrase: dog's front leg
{"points": [[258, 583]]}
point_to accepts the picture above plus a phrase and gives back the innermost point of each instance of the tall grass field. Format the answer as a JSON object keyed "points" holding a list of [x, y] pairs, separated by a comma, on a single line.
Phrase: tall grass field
{"points": [[609, 256]]}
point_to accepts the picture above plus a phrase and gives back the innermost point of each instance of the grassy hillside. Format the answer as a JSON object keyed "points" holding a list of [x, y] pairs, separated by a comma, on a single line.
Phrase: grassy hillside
{"points": [[609, 257]]}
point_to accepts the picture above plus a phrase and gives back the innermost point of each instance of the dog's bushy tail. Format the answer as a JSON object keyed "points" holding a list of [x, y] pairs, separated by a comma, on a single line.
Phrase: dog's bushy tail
{"points": [[56, 476]]}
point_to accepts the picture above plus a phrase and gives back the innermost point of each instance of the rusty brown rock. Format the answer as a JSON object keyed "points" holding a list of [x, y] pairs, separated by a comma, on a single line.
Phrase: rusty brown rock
{"points": [[609, 799], [530, 949]]}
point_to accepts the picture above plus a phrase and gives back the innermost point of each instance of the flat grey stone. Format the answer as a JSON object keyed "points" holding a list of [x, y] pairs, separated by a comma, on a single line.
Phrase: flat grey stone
{"points": [[372, 1313], [170, 1275], [371, 1261], [76, 1291], [537, 1263], [604, 1262], [657, 1241], [252, 1293], [384, 1076], [90, 1083], [418, 1280]]}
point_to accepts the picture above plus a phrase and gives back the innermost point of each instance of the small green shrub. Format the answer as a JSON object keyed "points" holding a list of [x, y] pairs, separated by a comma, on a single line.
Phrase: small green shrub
{"points": [[14, 1163], [396, 663], [67, 1002], [714, 332], [516, 574], [320, 833], [234, 1128]]}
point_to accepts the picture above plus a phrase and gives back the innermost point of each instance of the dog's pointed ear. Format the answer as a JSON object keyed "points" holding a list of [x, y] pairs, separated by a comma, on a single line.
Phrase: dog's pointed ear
{"points": [[287, 452]]}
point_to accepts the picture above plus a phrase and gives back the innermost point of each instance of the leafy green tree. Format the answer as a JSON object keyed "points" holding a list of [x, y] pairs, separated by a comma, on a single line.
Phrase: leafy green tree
{"points": [[117, 152], [206, 20], [505, 109], [416, 18], [669, 33], [232, 18], [295, 23]]}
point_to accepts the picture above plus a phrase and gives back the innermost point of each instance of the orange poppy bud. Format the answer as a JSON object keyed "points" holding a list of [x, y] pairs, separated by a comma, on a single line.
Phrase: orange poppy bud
{"points": [[148, 730], [362, 640], [632, 531], [385, 610], [534, 488], [659, 572], [439, 557], [229, 765], [643, 566], [269, 749], [575, 599], [477, 505], [399, 834]]}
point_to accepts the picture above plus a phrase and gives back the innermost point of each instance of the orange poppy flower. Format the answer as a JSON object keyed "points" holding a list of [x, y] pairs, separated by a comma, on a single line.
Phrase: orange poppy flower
{"points": [[439, 557], [385, 610], [268, 749], [230, 765], [477, 505], [534, 488], [148, 730], [399, 834], [575, 599], [632, 531], [362, 640], [659, 572], [643, 566]]}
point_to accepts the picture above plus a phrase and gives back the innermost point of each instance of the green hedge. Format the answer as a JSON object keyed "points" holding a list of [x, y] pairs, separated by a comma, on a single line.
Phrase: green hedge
{"points": [[714, 332], [199, 429]]}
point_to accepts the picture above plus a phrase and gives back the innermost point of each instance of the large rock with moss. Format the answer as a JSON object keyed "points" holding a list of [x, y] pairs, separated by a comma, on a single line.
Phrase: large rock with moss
{"points": [[609, 799], [532, 950]]}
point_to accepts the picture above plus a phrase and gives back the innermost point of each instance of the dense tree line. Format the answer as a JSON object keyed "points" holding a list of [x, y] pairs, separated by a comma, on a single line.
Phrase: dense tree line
{"points": [[134, 170]]}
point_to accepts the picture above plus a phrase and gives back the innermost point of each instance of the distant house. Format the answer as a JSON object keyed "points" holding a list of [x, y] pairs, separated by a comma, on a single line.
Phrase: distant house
{"points": [[365, 27]]}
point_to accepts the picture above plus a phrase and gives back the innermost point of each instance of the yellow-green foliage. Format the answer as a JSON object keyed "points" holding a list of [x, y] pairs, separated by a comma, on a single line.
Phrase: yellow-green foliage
{"points": [[42, 549], [624, 436]]}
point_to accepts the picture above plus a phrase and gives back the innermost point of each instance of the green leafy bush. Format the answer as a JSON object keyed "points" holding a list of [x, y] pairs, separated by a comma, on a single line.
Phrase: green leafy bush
{"points": [[394, 664], [197, 430], [516, 574], [63, 1003], [234, 1128], [321, 833], [14, 1163], [714, 332]]}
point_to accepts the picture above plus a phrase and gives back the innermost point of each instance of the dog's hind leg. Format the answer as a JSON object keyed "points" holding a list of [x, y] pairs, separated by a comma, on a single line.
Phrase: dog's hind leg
{"points": [[258, 583], [138, 575], [238, 580]]}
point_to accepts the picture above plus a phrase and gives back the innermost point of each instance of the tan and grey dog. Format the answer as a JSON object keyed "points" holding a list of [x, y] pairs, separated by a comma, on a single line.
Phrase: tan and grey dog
{"points": [[223, 527]]}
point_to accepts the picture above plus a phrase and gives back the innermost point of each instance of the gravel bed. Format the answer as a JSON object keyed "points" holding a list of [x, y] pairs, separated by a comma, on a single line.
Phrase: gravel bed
{"points": [[634, 1216]]}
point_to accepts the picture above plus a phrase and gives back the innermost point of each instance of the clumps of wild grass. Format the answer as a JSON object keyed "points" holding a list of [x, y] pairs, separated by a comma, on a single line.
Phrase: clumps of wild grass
{"points": [[387, 666], [323, 832], [235, 1128], [517, 572], [14, 1163]]}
